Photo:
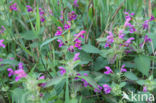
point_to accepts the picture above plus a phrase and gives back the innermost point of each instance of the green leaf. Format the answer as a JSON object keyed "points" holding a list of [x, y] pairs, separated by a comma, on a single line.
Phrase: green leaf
{"points": [[89, 80], [100, 63], [122, 84], [85, 57], [29, 35], [131, 76], [143, 64], [47, 42], [141, 82], [90, 49], [54, 81], [8, 61]]}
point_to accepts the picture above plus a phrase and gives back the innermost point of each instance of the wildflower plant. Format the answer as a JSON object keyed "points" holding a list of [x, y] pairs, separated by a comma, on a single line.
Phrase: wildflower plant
{"points": [[77, 51]]}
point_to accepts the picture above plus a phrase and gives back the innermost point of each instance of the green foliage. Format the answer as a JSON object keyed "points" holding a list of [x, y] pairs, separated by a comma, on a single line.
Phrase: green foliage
{"points": [[143, 64]]}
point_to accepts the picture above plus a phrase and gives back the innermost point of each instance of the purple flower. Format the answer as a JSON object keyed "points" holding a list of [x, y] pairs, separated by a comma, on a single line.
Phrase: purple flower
{"points": [[67, 26], [72, 16], [78, 74], [42, 19], [29, 8], [13, 7], [76, 57], [123, 69], [127, 22], [128, 42], [121, 34], [51, 12], [42, 84], [145, 25], [152, 18], [146, 40], [60, 43], [2, 29], [1, 43], [71, 48], [75, 3], [1, 59], [42, 77], [109, 70], [20, 65], [85, 74], [11, 72], [85, 83], [41, 12], [78, 43], [80, 34], [132, 29], [59, 31], [110, 39], [145, 89], [20, 73], [132, 14], [62, 70], [98, 90], [107, 88]]}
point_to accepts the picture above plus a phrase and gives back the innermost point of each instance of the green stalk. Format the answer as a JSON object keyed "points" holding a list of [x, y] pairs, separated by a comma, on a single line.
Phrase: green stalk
{"points": [[67, 91]]}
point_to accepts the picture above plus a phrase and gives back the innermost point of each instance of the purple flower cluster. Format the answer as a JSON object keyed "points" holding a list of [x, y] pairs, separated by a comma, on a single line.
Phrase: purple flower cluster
{"points": [[107, 88], [146, 40], [29, 8], [11, 72], [42, 84], [109, 70], [123, 69], [59, 31], [76, 57], [2, 29], [121, 35], [76, 3], [127, 22], [62, 70], [145, 89], [98, 90], [1, 43], [128, 42], [20, 73], [72, 16], [60, 43], [41, 12], [146, 22], [110, 39], [67, 26], [77, 41], [13, 7]]}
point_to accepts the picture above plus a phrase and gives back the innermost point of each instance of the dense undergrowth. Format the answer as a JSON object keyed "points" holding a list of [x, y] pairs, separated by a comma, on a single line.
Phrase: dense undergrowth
{"points": [[77, 51]]}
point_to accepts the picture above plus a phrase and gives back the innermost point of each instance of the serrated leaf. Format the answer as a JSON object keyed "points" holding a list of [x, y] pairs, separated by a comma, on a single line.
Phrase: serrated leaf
{"points": [[54, 81], [29, 35], [90, 49], [143, 64], [47, 42], [89, 80], [99, 63], [131, 76]]}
